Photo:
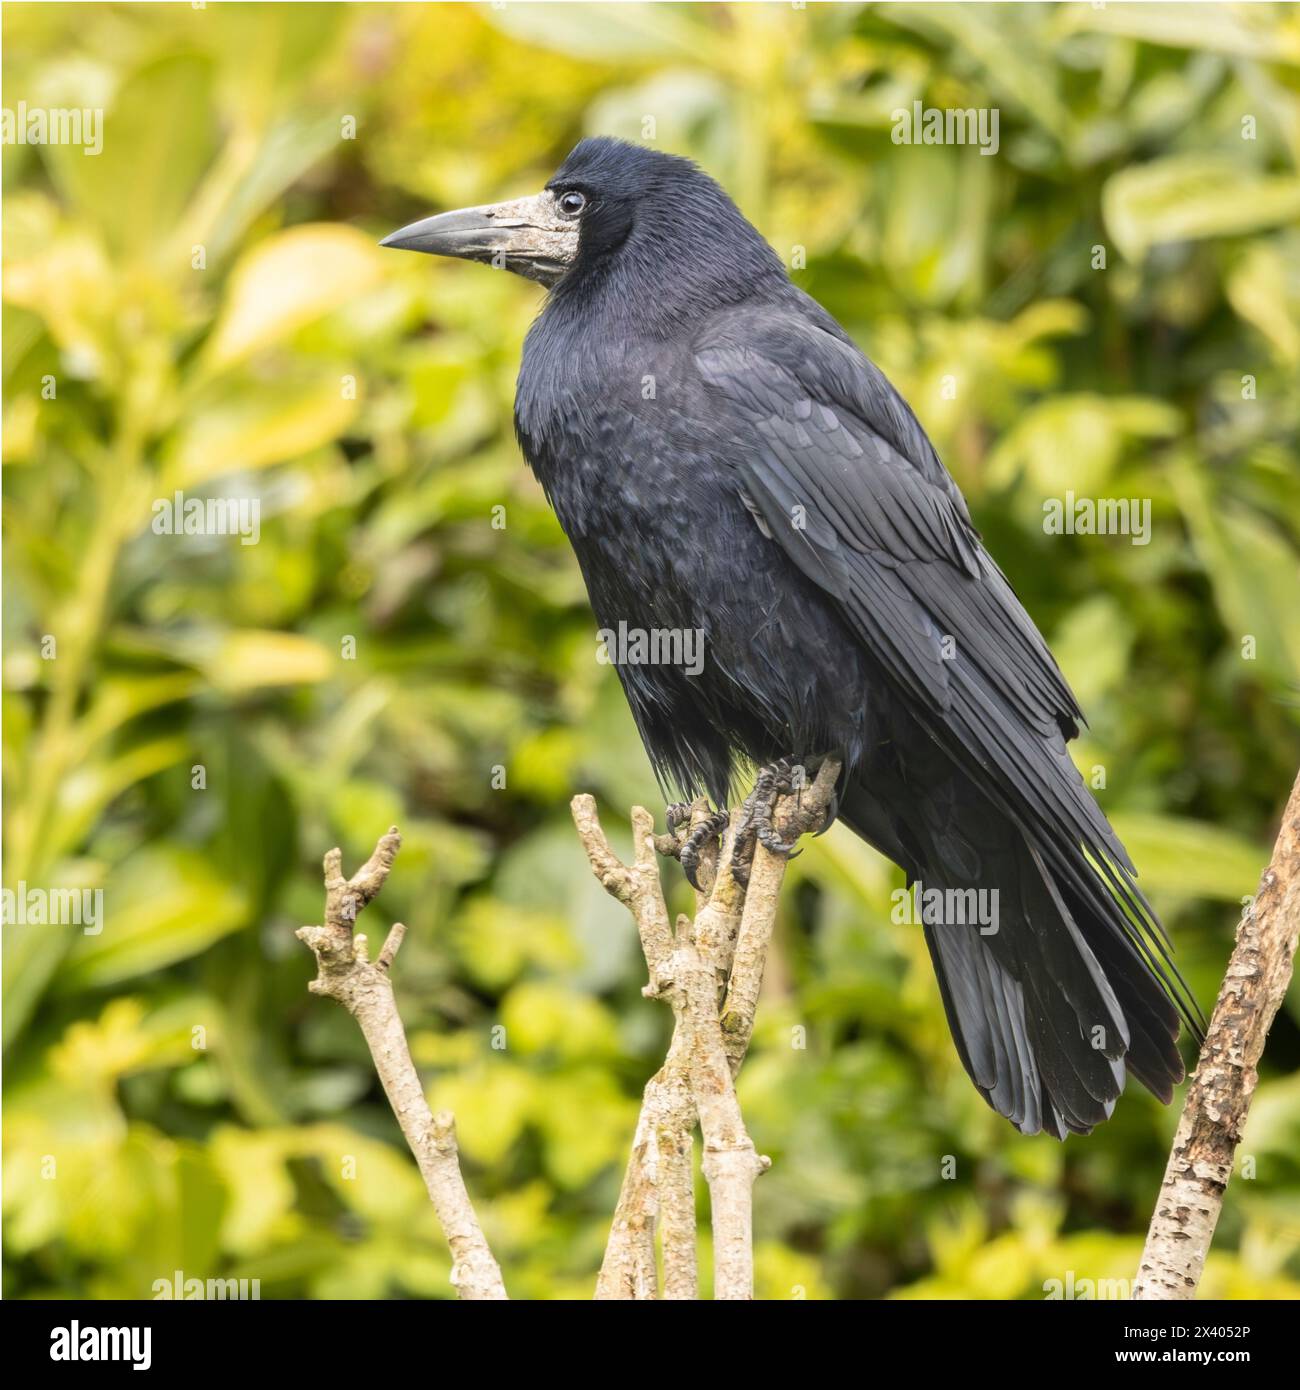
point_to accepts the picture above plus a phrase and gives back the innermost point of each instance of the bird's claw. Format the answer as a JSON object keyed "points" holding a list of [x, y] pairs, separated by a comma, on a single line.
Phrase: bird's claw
{"points": [[709, 828], [832, 813], [756, 828], [774, 844], [687, 849]]}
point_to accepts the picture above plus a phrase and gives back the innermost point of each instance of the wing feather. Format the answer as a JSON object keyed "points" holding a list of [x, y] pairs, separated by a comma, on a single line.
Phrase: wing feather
{"points": [[847, 483]]}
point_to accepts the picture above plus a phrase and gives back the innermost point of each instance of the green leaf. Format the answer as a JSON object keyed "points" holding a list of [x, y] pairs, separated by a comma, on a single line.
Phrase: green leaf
{"points": [[1190, 858], [162, 905], [248, 660], [1255, 574], [1092, 647], [287, 281], [256, 424], [1072, 443], [1245, 31], [1011, 44], [159, 134], [88, 790], [1191, 197], [285, 154], [1264, 288], [635, 32], [32, 953]]}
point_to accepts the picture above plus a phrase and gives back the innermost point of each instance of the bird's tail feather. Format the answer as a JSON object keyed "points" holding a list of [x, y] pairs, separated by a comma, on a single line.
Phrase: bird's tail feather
{"points": [[1052, 992]]}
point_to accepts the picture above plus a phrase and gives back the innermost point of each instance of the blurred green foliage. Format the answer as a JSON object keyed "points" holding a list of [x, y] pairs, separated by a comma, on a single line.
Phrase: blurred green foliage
{"points": [[208, 299]]}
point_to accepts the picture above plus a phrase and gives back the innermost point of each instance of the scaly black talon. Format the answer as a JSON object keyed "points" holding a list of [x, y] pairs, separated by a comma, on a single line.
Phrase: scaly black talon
{"points": [[778, 779], [832, 813], [708, 829], [678, 814], [767, 836], [742, 847]]}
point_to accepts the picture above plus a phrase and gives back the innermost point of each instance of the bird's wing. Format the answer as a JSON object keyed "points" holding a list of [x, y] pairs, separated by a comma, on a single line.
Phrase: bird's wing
{"points": [[836, 469], [843, 477]]}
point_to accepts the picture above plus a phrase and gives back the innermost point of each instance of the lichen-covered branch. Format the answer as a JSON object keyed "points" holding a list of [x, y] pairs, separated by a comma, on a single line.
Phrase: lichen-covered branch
{"points": [[658, 1191], [344, 973], [1218, 1099]]}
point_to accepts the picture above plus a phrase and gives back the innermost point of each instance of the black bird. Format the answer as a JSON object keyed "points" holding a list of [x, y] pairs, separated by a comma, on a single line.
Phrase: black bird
{"points": [[724, 459]]}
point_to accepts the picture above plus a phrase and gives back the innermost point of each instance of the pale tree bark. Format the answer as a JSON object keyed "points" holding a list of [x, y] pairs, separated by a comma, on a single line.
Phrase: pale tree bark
{"points": [[658, 1185], [1218, 1099], [709, 971], [344, 973]]}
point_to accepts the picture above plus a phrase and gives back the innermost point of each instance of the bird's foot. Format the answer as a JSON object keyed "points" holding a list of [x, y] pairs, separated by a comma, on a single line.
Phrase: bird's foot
{"points": [[687, 849], [779, 779], [708, 829], [831, 815]]}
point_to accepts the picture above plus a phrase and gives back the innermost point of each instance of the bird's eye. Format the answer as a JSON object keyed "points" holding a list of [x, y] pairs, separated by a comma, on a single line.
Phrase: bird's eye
{"points": [[572, 202]]}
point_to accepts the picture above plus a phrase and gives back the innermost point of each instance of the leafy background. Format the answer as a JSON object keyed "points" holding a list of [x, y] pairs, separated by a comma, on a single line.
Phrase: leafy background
{"points": [[364, 398]]}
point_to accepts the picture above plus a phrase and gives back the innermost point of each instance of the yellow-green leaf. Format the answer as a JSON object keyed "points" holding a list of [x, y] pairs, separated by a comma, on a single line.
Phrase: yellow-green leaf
{"points": [[257, 425], [1191, 197], [287, 281], [246, 660], [1189, 857], [160, 906]]}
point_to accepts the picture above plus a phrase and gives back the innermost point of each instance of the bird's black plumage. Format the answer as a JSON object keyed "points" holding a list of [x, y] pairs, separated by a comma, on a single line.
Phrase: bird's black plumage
{"points": [[723, 458]]}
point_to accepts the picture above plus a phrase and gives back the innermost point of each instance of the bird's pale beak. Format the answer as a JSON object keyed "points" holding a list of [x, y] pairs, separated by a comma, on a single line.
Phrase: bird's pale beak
{"points": [[528, 236]]}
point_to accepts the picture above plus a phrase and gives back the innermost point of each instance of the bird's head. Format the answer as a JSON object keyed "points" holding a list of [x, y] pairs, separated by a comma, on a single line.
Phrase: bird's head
{"points": [[609, 201]]}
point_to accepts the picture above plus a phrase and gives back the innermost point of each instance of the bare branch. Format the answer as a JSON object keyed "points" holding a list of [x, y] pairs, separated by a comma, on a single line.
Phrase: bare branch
{"points": [[388, 953], [676, 1150], [659, 1182], [637, 887], [795, 814], [691, 970], [731, 1162], [345, 897], [1214, 1114], [658, 1188], [366, 991]]}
